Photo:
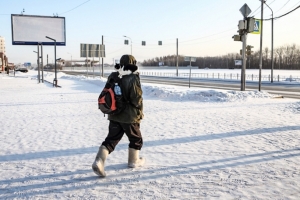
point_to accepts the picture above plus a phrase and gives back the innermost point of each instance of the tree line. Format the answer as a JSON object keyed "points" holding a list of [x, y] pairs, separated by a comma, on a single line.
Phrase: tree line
{"points": [[286, 57]]}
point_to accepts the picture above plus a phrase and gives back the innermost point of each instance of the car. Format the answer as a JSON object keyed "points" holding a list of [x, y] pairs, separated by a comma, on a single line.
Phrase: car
{"points": [[22, 69]]}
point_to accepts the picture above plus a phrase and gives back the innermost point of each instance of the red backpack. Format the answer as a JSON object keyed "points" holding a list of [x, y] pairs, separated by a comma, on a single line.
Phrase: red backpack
{"points": [[111, 100]]}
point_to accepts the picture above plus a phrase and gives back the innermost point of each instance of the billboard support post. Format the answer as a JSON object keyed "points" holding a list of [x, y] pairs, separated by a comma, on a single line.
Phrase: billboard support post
{"points": [[38, 62], [37, 58], [42, 63], [102, 74]]}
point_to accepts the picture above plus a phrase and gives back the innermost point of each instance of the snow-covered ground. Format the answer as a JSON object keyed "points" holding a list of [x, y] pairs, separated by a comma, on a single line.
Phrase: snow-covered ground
{"points": [[198, 143]]}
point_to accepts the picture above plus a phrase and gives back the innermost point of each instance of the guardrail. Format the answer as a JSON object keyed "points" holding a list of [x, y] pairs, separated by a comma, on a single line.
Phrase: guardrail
{"points": [[227, 76], [231, 76]]}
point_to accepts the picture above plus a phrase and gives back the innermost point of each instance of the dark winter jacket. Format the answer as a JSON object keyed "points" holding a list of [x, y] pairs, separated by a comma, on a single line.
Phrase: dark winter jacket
{"points": [[132, 92]]}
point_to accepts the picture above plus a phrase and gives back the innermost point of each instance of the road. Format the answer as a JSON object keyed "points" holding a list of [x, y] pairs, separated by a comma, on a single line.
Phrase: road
{"points": [[281, 89]]}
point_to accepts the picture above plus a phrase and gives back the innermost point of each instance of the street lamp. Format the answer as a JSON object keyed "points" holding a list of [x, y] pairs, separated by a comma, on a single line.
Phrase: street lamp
{"points": [[55, 79], [272, 61], [261, 42], [130, 42]]}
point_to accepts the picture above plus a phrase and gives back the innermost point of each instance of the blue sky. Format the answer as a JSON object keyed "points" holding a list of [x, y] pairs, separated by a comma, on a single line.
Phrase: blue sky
{"points": [[203, 28]]}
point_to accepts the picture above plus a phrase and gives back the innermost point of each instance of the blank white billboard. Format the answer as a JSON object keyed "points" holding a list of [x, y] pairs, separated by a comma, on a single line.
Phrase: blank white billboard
{"points": [[32, 30]]}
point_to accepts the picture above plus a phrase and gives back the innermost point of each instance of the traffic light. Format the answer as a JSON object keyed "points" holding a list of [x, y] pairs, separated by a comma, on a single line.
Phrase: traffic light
{"points": [[248, 50], [236, 38], [250, 24], [126, 42]]}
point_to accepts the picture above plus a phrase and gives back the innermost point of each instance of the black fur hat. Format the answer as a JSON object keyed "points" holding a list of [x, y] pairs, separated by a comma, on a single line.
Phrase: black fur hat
{"points": [[126, 60]]}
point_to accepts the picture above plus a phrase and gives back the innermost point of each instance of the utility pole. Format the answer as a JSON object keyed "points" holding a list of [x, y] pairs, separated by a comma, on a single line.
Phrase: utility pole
{"points": [[272, 39], [102, 61], [261, 42], [176, 56]]}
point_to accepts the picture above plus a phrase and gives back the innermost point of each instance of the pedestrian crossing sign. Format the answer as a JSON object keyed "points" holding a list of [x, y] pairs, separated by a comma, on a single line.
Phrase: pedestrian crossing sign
{"points": [[257, 26]]}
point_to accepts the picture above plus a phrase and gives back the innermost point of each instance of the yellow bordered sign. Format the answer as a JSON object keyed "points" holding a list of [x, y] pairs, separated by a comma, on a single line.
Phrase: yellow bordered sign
{"points": [[257, 26]]}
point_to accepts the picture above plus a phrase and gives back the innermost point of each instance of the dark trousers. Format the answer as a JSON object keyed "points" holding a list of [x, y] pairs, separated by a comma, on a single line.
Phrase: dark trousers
{"points": [[116, 131]]}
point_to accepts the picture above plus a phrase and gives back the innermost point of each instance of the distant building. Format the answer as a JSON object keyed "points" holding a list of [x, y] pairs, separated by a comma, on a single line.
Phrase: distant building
{"points": [[2, 45], [3, 58]]}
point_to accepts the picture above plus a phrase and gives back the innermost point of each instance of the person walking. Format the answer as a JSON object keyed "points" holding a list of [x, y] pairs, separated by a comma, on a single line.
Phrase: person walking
{"points": [[128, 121]]}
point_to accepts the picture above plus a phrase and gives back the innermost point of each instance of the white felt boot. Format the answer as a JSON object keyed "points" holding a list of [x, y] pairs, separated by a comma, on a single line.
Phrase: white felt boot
{"points": [[134, 160], [98, 165]]}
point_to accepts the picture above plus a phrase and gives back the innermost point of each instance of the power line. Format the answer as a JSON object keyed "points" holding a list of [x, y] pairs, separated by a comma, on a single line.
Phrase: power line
{"points": [[283, 6], [75, 7], [254, 12], [295, 5], [206, 36], [282, 15]]}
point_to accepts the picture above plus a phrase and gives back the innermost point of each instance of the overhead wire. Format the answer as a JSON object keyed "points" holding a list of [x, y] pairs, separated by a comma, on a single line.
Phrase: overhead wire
{"points": [[295, 5], [282, 15], [284, 5], [257, 9], [74, 7]]}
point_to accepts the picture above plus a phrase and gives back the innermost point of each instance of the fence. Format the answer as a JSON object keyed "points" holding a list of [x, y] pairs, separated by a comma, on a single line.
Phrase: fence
{"points": [[227, 76], [231, 76]]}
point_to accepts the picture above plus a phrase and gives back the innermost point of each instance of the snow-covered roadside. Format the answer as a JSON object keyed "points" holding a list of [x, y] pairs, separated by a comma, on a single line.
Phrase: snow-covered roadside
{"points": [[199, 143]]}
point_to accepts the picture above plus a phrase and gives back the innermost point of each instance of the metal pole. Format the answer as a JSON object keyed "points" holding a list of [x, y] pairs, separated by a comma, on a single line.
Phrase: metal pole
{"points": [[86, 61], [272, 39], [55, 80], [261, 42], [176, 56], [93, 69], [272, 60], [99, 59], [190, 72], [38, 62], [102, 60], [42, 63], [272, 49], [243, 82]]}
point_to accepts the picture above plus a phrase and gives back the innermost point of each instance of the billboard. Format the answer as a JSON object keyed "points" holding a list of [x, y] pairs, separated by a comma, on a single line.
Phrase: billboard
{"points": [[92, 50], [33, 29]]}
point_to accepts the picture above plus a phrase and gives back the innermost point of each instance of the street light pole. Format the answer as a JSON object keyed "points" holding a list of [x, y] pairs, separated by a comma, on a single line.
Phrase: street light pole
{"points": [[55, 79], [261, 41], [130, 43], [272, 61]]}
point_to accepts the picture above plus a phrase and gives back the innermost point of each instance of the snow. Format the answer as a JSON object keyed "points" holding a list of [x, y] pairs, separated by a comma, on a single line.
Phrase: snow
{"points": [[198, 143]]}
